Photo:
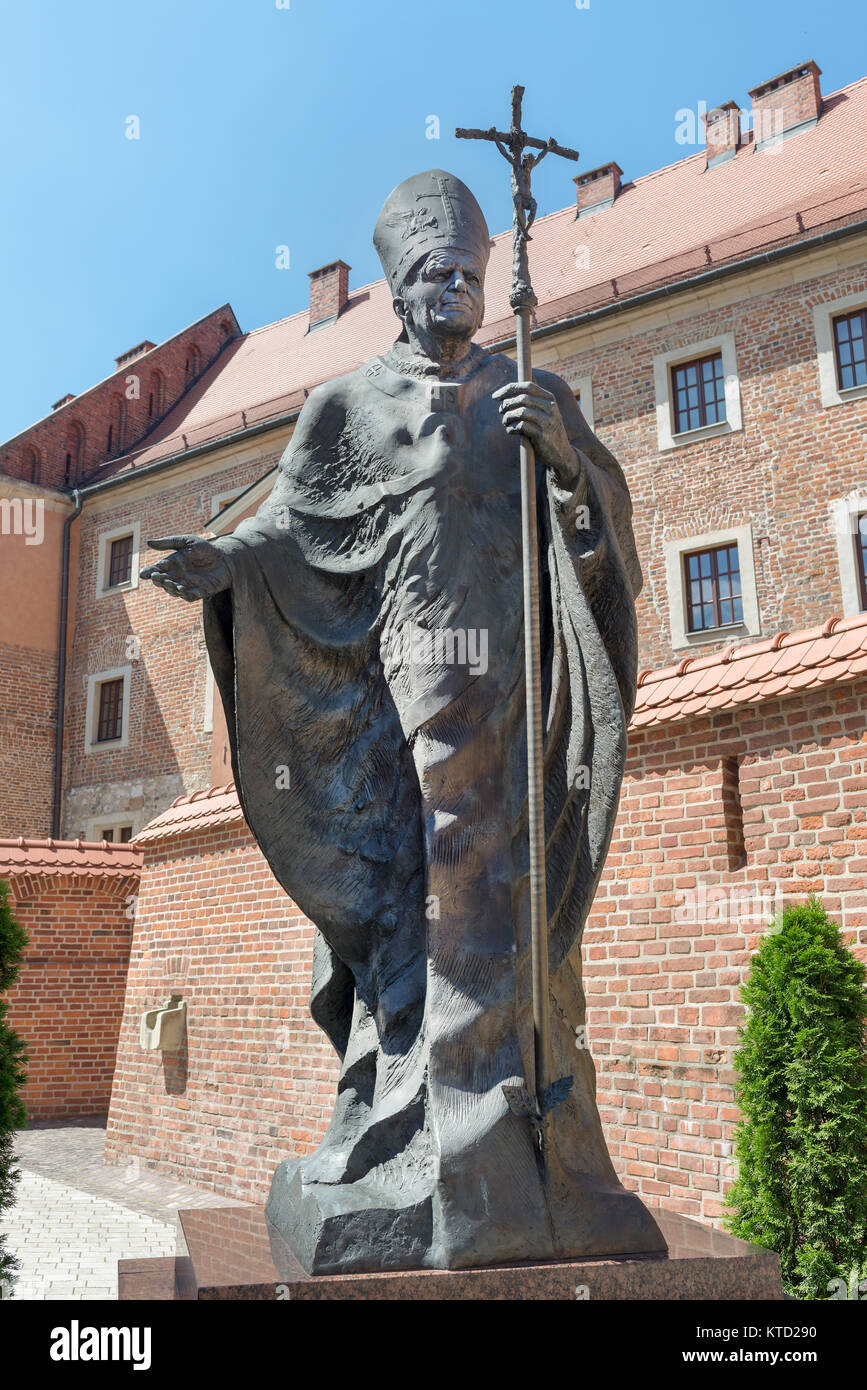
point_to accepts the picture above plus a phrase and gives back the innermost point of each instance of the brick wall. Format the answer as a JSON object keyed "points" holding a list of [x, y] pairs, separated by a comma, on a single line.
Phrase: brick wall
{"points": [[256, 1078], [28, 699], [68, 1002], [724, 808], [689, 885]]}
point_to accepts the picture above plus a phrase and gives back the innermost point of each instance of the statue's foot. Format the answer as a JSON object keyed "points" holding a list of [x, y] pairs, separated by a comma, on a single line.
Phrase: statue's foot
{"points": [[342, 1228]]}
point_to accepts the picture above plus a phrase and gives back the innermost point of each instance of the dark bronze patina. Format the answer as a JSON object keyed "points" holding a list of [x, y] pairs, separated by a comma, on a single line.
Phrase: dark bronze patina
{"points": [[366, 629]]}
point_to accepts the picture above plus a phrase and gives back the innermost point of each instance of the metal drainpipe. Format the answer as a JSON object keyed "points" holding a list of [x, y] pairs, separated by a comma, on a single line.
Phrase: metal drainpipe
{"points": [[61, 665]]}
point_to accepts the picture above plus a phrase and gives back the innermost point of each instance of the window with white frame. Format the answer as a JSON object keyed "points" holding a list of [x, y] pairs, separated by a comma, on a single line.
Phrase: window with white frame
{"points": [[712, 586], [117, 831], [698, 394], [107, 712], [849, 520], [841, 348], [222, 500], [208, 721], [118, 559], [583, 388]]}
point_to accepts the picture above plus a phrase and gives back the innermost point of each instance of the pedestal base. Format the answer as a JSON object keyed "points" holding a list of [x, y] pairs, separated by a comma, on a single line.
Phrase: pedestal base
{"points": [[235, 1254]]}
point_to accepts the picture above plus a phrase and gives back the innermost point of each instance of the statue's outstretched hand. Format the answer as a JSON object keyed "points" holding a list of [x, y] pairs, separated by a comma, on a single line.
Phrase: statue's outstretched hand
{"points": [[195, 570]]}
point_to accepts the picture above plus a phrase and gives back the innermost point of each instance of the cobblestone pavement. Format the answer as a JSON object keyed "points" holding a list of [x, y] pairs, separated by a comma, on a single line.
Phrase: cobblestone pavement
{"points": [[74, 1216]]}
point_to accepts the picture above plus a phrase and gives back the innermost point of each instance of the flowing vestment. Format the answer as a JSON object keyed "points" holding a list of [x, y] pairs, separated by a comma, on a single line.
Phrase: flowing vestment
{"points": [[393, 528]]}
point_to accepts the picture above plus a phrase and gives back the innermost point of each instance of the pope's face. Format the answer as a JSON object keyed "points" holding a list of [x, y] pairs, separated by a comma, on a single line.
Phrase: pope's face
{"points": [[446, 294]]}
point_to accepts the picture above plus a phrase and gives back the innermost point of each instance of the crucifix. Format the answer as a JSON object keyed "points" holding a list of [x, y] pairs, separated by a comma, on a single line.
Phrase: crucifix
{"points": [[513, 145]]}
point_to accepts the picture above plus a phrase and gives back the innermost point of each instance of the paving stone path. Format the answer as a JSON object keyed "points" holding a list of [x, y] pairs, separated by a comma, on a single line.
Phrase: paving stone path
{"points": [[75, 1216]]}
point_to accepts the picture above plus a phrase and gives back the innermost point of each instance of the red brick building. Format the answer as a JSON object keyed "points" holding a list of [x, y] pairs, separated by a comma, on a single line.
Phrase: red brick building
{"points": [[711, 317]]}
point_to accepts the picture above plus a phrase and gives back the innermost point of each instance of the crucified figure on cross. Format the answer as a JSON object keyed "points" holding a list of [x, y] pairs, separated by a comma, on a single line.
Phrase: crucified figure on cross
{"points": [[513, 145]]}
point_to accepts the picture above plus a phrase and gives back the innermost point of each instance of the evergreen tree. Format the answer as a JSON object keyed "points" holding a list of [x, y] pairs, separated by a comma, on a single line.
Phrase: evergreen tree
{"points": [[12, 1059], [802, 1088]]}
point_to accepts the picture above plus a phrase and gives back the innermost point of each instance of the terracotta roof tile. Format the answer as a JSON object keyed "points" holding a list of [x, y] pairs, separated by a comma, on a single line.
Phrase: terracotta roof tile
{"points": [[763, 664], [845, 644], [48, 858], [773, 667], [789, 659], [214, 806]]}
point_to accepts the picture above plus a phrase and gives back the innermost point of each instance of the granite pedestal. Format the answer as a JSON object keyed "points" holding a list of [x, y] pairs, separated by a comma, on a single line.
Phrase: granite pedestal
{"points": [[235, 1254]]}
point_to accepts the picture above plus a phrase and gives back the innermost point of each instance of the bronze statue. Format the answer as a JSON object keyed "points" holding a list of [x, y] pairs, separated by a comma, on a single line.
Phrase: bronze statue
{"points": [[366, 632]]}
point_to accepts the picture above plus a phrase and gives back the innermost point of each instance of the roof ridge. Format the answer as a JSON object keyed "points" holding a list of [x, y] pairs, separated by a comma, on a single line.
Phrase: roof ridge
{"points": [[221, 789], [35, 842]]}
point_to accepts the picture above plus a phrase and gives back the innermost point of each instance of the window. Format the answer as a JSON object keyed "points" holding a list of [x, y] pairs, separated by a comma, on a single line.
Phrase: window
{"points": [[156, 395], [108, 710], [583, 388], [74, 466], [850, 335], [120, 561], [713, 588], [861, 557], [193, 361], [115, 834], [118, 827], [840, 326], [115, 439], [711, 582], [698, 391], [109, 725], [848, 521], [32, 466], [221, 501]]}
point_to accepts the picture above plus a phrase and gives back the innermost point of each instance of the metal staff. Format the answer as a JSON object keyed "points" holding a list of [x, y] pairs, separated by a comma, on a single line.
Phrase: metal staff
{"points": [[513, 145]]}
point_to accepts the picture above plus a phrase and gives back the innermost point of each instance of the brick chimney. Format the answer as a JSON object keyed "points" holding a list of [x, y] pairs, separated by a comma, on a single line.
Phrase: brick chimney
{"points": [[138, 351], [329, 291], [598, 188], [786, 104], [722, 133], [64, 400]]}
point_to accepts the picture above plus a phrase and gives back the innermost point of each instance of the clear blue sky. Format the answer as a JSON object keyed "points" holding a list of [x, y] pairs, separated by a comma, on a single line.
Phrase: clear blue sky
{"points": [[263, 126]]}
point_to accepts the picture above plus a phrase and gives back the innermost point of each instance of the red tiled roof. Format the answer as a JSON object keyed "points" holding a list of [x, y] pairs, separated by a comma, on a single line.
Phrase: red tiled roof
{"points": [[781, 665], [65, 858], [664, 227], [216, 806]]}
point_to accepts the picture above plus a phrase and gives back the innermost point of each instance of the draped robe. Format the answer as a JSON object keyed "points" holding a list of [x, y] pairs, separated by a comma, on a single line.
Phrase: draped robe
{"points": [[393, 528]]}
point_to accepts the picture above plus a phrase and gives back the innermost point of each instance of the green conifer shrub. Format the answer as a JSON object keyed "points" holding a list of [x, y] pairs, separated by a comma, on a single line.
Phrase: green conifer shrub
{"points": [[801, 1145]]}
